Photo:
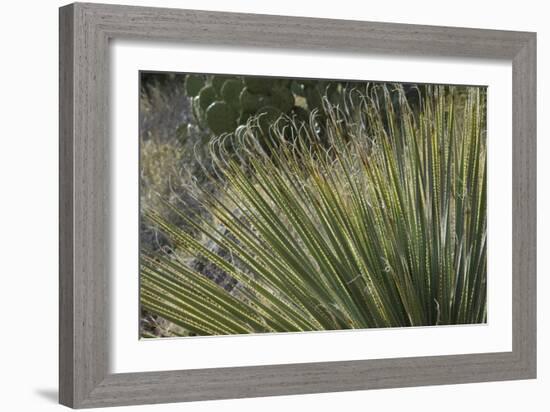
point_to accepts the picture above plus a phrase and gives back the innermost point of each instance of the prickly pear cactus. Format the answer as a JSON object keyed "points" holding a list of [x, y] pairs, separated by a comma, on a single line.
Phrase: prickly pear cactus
{"points": [[259, 85], [231, 91], [221, 118], [193, 84], [235, 99], [218, 80], [282, 98], [249, 101], [207, 96]]}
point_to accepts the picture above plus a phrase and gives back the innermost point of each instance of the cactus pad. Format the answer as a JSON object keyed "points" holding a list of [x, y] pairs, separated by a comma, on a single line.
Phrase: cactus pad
{"points": [[282, 98], [261, 85], [193, 84], [207, 96], [221, 118], [231, 91], [249, 101]]}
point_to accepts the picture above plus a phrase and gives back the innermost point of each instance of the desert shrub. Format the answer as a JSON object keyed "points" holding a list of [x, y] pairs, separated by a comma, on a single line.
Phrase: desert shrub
{"points": [[377, 221]]}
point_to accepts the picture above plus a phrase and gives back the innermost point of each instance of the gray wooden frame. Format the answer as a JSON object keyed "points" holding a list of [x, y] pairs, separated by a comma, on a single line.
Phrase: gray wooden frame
{"points": [[85, 31]]}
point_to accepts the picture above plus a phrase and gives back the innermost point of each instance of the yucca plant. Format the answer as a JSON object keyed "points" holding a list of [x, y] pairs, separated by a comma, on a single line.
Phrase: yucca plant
{"points": [[376, 218]]}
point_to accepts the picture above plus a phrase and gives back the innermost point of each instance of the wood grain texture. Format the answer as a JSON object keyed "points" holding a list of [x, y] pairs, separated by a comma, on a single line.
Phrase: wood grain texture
{"points": [[85, 31], [524, 208], [66, 229]]}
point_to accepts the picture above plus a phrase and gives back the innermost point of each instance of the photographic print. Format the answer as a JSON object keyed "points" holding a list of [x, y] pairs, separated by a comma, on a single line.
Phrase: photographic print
{"points": [[275, 205]]}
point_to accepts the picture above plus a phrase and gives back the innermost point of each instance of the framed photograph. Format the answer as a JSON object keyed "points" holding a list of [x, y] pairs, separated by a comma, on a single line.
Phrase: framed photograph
{"points": [[256, 205]]}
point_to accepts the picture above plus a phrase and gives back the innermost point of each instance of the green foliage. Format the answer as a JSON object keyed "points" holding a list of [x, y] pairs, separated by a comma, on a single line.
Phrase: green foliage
{"points": [[297, 88], [259, 85], [218, 81], [283, 99], [231, 91], [314, 97], [384, 225], [249, 101], [207, 96], [193, 84], [249, 95], [221, 118]]}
